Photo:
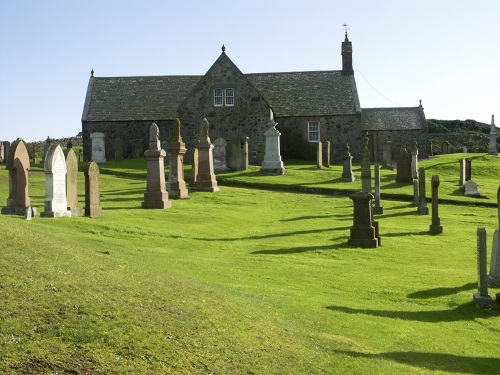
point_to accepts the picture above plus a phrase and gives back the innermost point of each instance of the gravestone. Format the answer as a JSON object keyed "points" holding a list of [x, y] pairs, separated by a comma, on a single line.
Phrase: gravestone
{"points": [[387, 154], [319, 155], [431, 149], [194, 167], [72, 184], [18, 165], [404, 174], [471, 188], [98, 148], [366, 172], [176, 186], [56, 204], [137, 149], [482, 299], [220, 155], [377, 209], [494, 275], [435, 227], [415, 193], [156, 196], [272, 163], [468, 169], [6, 148], [328, 154], [347, 174], [46, 146], [363, 232], [464, 149], [2, 153], [92, 191], [237, 154], [414, 161], [493, 147], [461, 182], [118, 149], [445, 148], [205, 178], [33, 153], [422, 199]]}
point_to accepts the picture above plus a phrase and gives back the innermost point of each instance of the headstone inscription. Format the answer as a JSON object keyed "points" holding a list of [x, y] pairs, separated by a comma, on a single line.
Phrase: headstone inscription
{"points": [[56, 204], [347, 174], [237, 154], [98, 148], [220, 155], [272, 163], [319, 155], [176, 186], [494, 275], [92, 191], [366, 172], [205, 178], [377, 209], [403, 174], [363, 232], [422, 200], [435, 227], [493, 147], [482, 299], [18, 164], [72, 184], [156, 196]]}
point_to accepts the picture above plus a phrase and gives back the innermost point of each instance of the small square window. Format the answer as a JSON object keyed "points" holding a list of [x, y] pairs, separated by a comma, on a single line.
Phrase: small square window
{"points": [[230, 97], [313, 131], [218, 96]]}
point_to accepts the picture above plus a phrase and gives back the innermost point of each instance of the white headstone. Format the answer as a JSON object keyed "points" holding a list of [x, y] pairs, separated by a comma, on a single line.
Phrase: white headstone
{"points": [[220, 155], [272, 163], [56, 204], [98, 148]]}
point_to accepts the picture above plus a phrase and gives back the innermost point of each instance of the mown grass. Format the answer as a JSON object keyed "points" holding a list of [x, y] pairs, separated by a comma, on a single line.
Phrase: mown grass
{"points": [[247, 280]]}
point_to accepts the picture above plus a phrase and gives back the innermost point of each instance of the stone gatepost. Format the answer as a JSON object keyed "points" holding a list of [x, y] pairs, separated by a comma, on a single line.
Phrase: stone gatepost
{"points": [[363, 232], [461, 182], [494, 275], [319, 155], [422, 200], [414, 161], [366, 172], [272, 163], [176, 185], [92, 191], [377, 209], [56, 204], [98, 148], [328, 154], [347, 174], [156, 196], [482, 299], [72, 184], [493, 147], [404, 167], [205, 179], [435, 227], [118, 149]]}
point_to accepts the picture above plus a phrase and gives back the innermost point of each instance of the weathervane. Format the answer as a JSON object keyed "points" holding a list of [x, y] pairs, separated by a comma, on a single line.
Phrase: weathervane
{"points": [[345, 28]]}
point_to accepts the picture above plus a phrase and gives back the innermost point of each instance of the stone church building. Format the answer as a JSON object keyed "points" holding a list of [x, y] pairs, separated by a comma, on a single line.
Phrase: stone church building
{"points": [[308, 107]]}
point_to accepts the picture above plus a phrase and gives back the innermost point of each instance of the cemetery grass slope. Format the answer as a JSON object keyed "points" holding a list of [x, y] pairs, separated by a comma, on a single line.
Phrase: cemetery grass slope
{"points": [[244, 281]]}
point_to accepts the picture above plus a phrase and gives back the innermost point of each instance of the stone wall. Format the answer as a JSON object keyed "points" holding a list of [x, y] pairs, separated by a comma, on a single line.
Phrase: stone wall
{"points": [[400, 138]]}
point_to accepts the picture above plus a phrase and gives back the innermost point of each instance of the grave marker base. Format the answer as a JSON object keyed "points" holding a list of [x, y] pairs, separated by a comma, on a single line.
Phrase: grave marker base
{"points": [[482, 302]]}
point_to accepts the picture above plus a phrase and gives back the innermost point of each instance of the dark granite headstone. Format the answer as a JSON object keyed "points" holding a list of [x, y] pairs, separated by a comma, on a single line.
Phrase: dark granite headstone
{"points": [[435, 227], [404, 174], [363, 232]]}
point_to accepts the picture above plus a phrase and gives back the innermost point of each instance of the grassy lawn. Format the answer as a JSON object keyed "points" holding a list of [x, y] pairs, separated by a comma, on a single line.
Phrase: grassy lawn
{"points": [[255, 279]]}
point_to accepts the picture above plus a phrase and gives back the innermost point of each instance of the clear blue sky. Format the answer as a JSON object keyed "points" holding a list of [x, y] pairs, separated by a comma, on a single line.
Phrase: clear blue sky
{"points": [[445, 52]]}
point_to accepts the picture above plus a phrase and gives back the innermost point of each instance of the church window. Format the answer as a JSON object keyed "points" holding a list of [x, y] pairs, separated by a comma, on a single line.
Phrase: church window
{"points": [[218, 97], [313, 131], [229, 97]]}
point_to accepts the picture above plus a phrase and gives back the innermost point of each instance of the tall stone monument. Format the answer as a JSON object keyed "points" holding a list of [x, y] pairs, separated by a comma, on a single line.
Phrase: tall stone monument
{"points": [[72, 184], [461, 181], [319, 155], [176, 186], [328, 154], [377, 209], [435, 227], [494, 275], [404, 174], [347, 174], [92, 191], [482, 299], [56, 204], [156, 196], [422, 200], [414, 161], [205, 178], [366, 172], [272, 163], [493, 147], [98, 148], [363, 232]]}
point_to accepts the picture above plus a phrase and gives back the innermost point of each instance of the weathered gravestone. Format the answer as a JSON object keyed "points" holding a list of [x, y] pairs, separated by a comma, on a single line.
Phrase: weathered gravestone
{"points": [[118, 149], [56, 204], [422, 200], [220, 155], [205, 178], [18, 164], [387, 154], [494, 275], [404, 167], [468, 169], [435, 227], [194, 166], [98, 148], [471, 188], [415, 192], [72, 184], [482, 300], [319, 155], [414, 161], [237, 154], [2, 153], [137, 148], [445, 148], [328, 154], [46, 146], [176, 185], [156, 196], [363, 232], [92, 191], [6, 146], [377, 209], [272, 163], [366, 172], [493, 147], [461, 181], [347, 174]]}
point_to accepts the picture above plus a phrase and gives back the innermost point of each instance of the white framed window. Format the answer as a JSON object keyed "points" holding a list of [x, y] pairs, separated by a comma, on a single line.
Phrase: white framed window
{"points": [[218, 97], [229, 97], [313, 131]]}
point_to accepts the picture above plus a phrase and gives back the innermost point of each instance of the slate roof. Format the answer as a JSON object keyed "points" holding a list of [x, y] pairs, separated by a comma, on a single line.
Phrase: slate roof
{"points": [[402, 118]]}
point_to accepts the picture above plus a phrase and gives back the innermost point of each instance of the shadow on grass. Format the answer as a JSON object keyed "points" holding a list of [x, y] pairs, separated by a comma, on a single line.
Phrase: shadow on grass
{"points": [[440, 292], [400, 234], [303, 249], [436, 361], [308, 217], [463, 312]]}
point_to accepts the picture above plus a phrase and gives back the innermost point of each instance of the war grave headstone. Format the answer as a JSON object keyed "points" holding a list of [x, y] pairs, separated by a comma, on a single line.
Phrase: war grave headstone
{"points": [[272, 163], [237, 154], [414, 161], [422, 200], [328, 154], [471, 188], [205, 178], [56, 204], [445, 148], [137, 149], [494, 275], [98, 148], [377, 209], [319, 155], [347, 174], [363, 232], [92, 191], [482, 299], [366, 172], [220, 155], [461, 181], [176, 186], [46, 146], [18, 165], [2, 153], [156, 195], [387, 154], [118, 148], [72, 184], [403, 173], [435, 227], [493, 147], [194, 166]]}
